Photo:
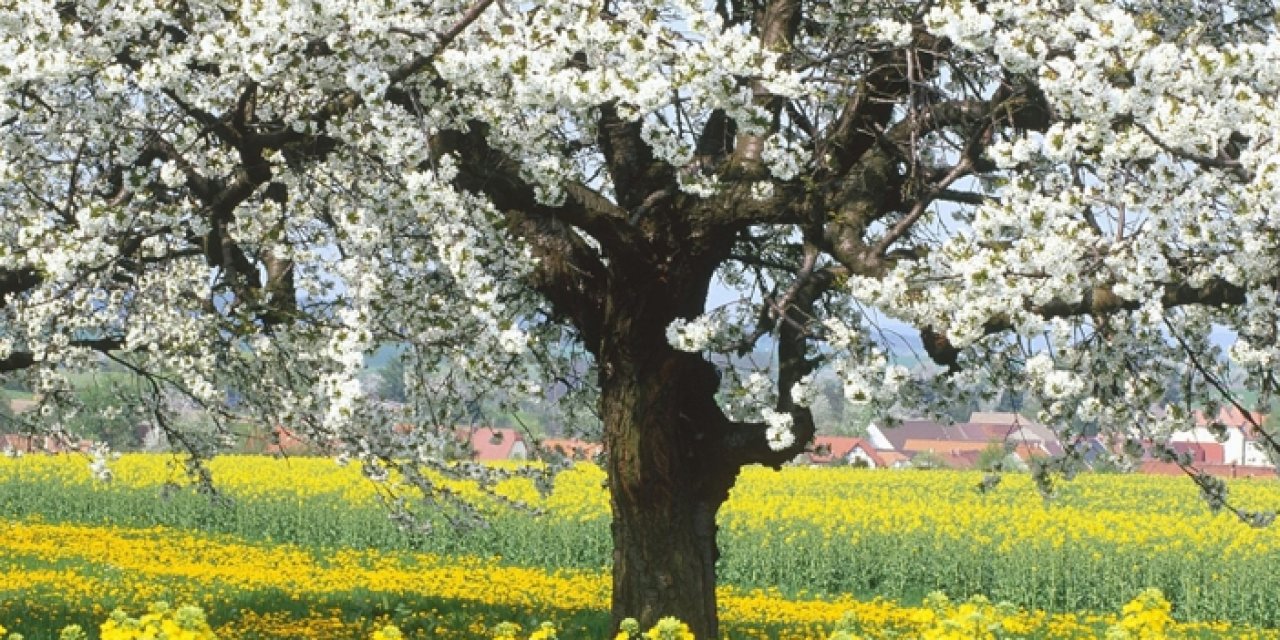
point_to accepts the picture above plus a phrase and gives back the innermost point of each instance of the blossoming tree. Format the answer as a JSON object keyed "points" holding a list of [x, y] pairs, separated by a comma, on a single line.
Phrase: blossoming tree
{"points": [[1065, 197]]}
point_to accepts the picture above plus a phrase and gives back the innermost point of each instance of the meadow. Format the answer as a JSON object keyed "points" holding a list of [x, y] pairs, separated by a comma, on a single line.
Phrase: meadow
{"points": [[808, 553]]}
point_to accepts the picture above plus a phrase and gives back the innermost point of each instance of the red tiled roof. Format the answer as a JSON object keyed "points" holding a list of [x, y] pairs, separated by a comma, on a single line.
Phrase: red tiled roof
{"points": [[488, 443], [891, 457], [1201, 452], [830, 448], [958, 459], [962, 432], [1233, 417], [285, 442], [1026, 451], [26, 443], [571, 447], [18, 442]]}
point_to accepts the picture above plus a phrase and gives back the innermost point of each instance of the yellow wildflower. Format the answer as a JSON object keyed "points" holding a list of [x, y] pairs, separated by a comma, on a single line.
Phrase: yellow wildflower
{"points": [[546, 631], [506, 631], [669, 628], [1146, 617], [629, 628], [388, 632]]}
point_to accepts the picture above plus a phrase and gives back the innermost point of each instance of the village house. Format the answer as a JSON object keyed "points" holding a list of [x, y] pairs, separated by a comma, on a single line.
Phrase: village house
{"points": [[487, 444], [18, 444], [1227, 445], [1235, 442], [15, 444], [829, 450], [961, 445], [1243, 445]]}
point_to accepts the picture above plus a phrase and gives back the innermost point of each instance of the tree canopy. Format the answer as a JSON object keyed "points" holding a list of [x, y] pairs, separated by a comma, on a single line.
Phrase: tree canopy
{"points": [[1064, 198]]}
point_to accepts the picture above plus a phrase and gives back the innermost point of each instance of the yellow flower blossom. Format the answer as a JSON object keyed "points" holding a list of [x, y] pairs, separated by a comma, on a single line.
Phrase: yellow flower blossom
{"points": [[546, 631], [1102, 530], [387, 632], [669, 629]]}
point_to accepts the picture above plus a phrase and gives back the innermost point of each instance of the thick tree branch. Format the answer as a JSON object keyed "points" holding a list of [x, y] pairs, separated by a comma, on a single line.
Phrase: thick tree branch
{"points": [[1019, 106], [778, 27], [964, 197], [880, 187], [715, 143], [569, 272], [738, 206], [871, 106], [1099, 301], [486, 170], [636, 174]]}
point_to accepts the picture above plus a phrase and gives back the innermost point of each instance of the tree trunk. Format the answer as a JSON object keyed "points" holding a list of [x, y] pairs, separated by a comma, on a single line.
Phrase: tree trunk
{"points": [[666, 480], [665, 491]]}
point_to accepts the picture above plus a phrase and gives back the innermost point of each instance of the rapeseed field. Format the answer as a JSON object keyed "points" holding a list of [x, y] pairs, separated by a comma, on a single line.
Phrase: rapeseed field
{"points": [[808, 553]]}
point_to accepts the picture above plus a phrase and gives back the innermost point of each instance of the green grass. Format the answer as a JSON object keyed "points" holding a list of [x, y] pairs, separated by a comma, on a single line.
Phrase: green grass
{"points": [[324, 522], [798, 557]]}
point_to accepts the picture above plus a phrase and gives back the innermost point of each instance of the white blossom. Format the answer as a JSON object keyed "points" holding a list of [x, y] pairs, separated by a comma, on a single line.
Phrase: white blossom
{"points": [[779, 432], [264, 204], [892, 31]]}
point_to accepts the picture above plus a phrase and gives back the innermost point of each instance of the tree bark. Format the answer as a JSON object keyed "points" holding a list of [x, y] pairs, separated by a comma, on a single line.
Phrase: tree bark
{"points": [[665, 492], [666, 478]]}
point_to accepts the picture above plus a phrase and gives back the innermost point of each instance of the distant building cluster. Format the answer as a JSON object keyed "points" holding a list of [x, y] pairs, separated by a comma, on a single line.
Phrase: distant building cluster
{"points": [[1236, 452], [916, 443], [1227, 444]]}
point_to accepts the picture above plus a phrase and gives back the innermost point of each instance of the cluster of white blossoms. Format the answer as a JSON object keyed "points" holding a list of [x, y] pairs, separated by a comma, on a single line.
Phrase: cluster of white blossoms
{"points": [[377, 250], [692, 335], [668, 66], [1055, 384], [1160, 173], [784, 158], [135, 198], [751, 393], [892, 31], [778, 434]]}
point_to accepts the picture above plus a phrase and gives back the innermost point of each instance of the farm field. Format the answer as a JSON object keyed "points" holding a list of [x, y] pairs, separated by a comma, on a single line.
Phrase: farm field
{"points": [[311, 554]]}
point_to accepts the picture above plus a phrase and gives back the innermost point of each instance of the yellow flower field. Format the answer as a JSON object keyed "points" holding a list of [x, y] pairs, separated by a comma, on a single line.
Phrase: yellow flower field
{"points": [[807, 553], [106, 567]]}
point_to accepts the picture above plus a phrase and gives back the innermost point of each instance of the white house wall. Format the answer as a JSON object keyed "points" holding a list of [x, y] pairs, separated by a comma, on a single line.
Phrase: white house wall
{"points": [[877, 438]]}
